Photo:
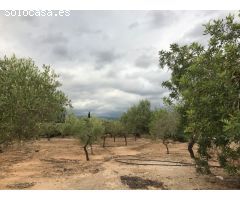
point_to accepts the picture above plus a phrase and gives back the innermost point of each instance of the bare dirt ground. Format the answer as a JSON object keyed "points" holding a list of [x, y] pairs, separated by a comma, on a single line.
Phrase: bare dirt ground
{"points": [[60, 164]]}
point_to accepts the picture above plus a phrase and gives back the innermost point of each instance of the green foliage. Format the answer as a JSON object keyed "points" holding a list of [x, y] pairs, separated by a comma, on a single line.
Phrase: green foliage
{"points": [[49, 130], [114, 128], [89, 130], [71, 125], [230, 148], [136, 120], [164, 124], [118, 128], [205, 83], [28, 96], [108, 127]]}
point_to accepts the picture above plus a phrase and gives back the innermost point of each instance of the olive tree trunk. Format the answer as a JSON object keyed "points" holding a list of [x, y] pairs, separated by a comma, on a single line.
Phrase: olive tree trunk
{"points": [[85, 148], [91, 149], [166, 145], [125, 137], [190, 147], [104, 139], [1, 147]]}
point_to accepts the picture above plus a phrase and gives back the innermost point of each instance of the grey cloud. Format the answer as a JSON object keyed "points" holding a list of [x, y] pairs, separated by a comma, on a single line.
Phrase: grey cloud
{"points": [[61, 51], [197, 31], [81, 30], [112, 93], [105, 57], [196, 34], [212, 13], [133, 25], [144, 61], [101, 56], [163, 18], [31, 20], [51, 38]]}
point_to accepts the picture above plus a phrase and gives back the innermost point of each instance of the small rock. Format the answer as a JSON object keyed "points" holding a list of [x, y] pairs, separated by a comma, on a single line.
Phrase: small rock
{"points": [[219, 177]]}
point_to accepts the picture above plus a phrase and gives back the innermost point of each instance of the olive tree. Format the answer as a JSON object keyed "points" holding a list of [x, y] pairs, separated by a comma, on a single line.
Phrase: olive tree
{"points": [[164, 124], [137, 118], [119, 130], [28, 96], [89, 131], [108, 130], [115, 128]]}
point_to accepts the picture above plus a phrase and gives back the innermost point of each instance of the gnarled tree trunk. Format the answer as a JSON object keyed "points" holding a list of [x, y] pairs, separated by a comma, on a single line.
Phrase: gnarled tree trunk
{"points": [[104, 139], [91, 149], [86, 152], [190, 147], [166, 145], [125, 137], [85, 148]]}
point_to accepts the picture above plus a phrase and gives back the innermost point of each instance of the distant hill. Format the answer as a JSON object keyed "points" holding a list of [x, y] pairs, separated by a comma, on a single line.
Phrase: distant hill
{"points": [[108, 118], [102, 117]]}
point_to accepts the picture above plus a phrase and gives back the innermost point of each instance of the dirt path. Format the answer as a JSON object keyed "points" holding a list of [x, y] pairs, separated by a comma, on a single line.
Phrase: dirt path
{"points": [[60, 164]]}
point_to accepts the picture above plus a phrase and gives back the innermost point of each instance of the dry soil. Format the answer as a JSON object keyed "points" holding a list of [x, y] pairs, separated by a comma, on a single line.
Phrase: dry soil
{"points": [[60, 164]]}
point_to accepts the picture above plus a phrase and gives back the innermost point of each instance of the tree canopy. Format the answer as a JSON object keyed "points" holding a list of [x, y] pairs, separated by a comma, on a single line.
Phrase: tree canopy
{"points": [[137, 118], [205, 82], [28, 96]]}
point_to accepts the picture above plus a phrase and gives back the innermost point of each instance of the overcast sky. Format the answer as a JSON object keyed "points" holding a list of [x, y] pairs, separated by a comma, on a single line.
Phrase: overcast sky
{"points": [[107, 60]]}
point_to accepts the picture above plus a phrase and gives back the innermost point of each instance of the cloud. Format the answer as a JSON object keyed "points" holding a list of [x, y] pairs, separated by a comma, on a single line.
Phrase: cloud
{"points": [[105, 57], [107, 60], [144, 61], [133, 25], [61, 51], [197, 31], [163, 18], [55, 38]]}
